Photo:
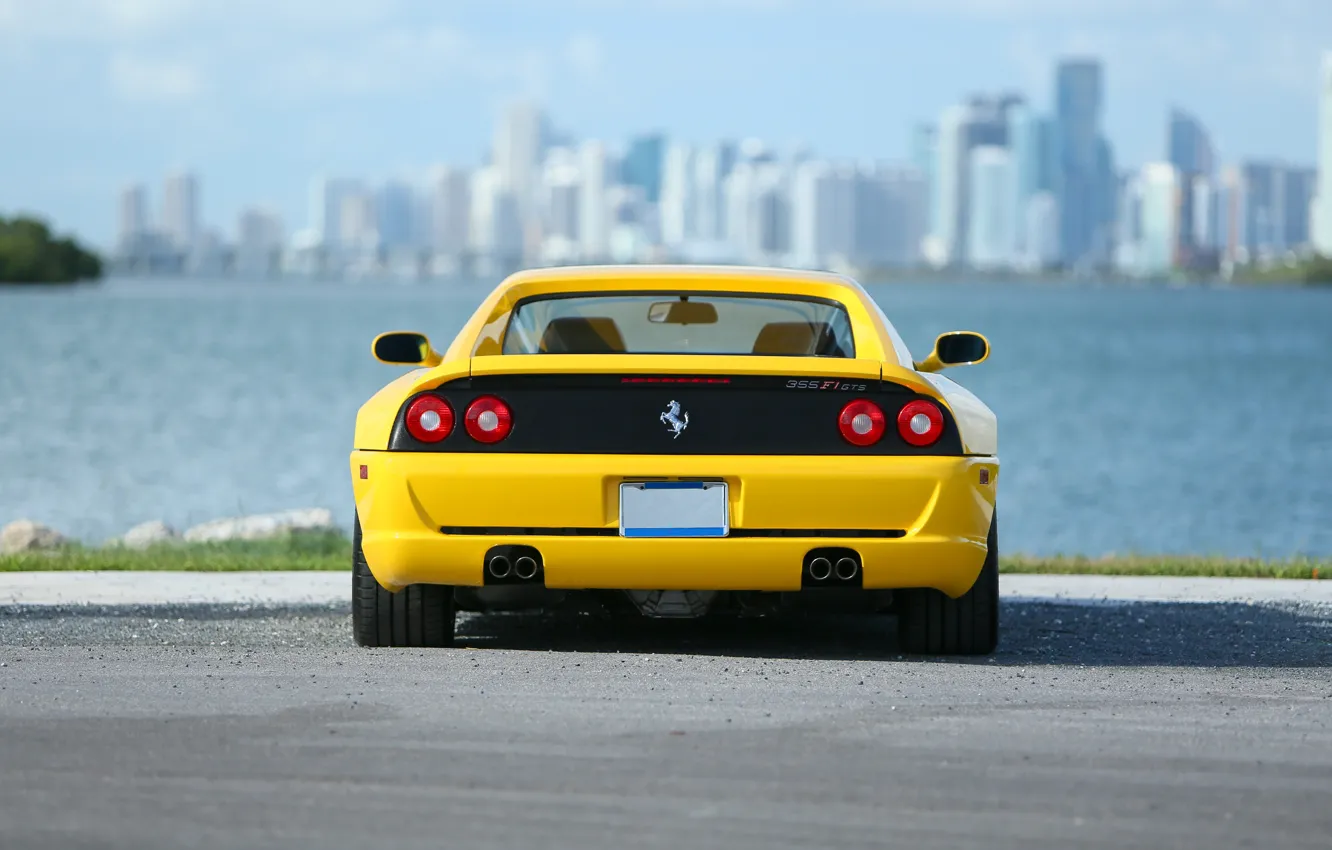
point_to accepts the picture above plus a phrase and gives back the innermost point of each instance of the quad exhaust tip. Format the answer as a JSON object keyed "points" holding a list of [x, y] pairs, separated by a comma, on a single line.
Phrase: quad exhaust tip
{"points": [[500, 567], [846, 568], [524, 568], [820, 569]]}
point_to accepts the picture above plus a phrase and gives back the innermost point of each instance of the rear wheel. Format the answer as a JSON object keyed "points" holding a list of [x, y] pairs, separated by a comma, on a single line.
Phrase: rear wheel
{"points": [[417, 615], [930, 623]]}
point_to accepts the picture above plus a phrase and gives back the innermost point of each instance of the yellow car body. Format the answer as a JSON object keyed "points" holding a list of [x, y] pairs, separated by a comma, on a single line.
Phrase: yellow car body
{"points": [[918, 519]]}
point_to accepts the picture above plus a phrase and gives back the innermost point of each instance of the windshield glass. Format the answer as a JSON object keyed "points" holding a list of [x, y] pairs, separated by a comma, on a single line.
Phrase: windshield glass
{"points": [[679, 323]]}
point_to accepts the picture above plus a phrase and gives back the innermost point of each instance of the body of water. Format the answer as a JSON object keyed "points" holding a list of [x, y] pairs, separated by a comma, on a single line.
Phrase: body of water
{"points": [[1142, 419]]}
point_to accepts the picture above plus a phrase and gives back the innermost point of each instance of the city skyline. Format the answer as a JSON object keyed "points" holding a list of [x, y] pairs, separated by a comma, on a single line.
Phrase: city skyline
{"points": [[992, 184], [254, 97]]}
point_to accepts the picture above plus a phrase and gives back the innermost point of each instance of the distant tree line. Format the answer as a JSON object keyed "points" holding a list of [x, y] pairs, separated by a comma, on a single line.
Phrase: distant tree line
{"points": [[29, 253], [1314, 270]]}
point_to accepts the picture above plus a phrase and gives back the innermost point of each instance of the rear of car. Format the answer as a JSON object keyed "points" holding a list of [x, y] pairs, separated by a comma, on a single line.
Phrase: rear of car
{"points": [[689, 442]]}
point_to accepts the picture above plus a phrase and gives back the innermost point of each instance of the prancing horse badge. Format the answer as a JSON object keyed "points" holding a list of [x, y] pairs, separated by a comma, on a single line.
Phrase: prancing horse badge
{"points": [[676, 420]]}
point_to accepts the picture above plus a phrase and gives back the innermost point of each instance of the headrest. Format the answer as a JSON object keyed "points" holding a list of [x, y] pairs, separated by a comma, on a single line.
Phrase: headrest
{"points": [[808, 339], [580, 335]]}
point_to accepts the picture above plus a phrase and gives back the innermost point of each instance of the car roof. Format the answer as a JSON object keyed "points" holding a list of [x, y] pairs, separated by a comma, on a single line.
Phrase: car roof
{"points": [[629, 277]]}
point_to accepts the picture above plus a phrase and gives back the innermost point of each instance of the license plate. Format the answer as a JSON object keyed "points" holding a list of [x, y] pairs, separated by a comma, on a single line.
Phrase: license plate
{"points": [[674, 509]]}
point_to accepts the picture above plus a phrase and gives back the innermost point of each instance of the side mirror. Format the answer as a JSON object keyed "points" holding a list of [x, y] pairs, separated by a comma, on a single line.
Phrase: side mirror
{"points": [[958, 348], [405, 348]]}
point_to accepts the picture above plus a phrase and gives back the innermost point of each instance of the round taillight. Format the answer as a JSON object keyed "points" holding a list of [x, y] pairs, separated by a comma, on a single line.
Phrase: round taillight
{"points": [[429, 419], [920, 423], [861, 423], [488, 419]]}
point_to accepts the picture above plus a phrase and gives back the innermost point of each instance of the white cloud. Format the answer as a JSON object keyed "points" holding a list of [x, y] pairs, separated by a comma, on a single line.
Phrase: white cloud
{"points": [[139, 78]]}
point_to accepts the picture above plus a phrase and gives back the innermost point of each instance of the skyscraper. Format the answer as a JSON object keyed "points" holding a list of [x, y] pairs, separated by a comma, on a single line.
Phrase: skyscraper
{"points": [[950, 185], [642, 165], [1322, 206], [133, 215], [677, 196], [925, 157], [326, 202], [180, 210], [1025, 149], [1081, 183], [394, 210], [593, 218], [450, 211], [1159, 186], [1188, 146], [519, 144], [990, 236]]}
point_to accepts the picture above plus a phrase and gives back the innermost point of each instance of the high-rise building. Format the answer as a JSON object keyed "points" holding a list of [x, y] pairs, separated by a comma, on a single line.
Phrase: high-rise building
{"points": [[450, 211], [180, 210], [642, 165], [496, 229], [132, 217], [1322, 206], [357, 220], [1041, 225], [395, 204], [259, 239], [991, 241], [562, 185], [737, 210], [677, 196], [1189, 150], [1081, 179], [951, 191], [1188, 146], [713, 164], [593, 223], [890, 215], [520, 139], [925, 158], [1298, 187], [1025, 150], [327, 196], [1159, 186]]}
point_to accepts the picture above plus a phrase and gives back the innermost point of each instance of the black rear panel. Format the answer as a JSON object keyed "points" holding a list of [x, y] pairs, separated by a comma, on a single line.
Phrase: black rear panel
{"points": [[617, 414]]}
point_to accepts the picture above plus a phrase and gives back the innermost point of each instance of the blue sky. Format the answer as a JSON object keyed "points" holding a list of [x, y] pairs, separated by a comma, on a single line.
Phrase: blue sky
{"points": [[256, 96]]}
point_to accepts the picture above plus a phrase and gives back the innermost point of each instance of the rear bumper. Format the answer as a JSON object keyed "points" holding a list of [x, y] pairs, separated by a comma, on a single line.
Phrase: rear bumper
{"points": [[939, 503]]}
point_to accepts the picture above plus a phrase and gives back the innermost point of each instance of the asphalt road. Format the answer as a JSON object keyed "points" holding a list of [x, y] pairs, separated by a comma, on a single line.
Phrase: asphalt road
{"points": [[1146, 725]]}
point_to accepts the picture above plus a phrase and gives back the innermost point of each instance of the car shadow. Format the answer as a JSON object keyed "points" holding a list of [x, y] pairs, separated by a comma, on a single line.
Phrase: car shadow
{"points": [[1032, 633]]}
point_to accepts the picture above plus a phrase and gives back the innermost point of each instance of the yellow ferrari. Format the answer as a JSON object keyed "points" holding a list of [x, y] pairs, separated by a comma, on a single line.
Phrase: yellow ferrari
{"points": [[676, 441]]}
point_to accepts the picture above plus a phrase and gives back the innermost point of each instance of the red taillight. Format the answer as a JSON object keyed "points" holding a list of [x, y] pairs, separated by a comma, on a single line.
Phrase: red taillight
{"points": [[430, 419], [920, 423], [488, 419], [861, 423]]}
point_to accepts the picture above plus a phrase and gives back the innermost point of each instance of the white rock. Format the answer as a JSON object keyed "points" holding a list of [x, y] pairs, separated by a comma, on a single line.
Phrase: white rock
{"points": [[262, 526], [24, 535], [146, 534]]}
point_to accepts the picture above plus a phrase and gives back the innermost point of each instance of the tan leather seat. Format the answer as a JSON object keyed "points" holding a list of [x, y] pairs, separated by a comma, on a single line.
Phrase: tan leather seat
{"points": [[797, 339], [582, 335]]}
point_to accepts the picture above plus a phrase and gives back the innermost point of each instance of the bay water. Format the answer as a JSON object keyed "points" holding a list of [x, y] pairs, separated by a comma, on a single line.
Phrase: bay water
{"points": [[1131, 419]]}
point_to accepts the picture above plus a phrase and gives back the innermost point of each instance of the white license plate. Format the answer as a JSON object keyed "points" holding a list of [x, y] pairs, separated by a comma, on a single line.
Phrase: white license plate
{"points": [[674, 509]]}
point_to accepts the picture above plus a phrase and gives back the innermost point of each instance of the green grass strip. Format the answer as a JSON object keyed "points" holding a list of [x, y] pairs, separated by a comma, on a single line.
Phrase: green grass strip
{"points": [[333, 552]]}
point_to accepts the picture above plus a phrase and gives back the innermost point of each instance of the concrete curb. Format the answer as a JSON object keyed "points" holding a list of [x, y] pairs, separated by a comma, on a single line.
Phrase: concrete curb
{"points": [[322, 588]]}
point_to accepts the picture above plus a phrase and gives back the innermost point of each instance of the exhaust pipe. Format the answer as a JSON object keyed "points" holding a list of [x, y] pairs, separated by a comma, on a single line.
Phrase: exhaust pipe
{"points": [[847, 568], [499, 567], [820, 569], [525, 568]]}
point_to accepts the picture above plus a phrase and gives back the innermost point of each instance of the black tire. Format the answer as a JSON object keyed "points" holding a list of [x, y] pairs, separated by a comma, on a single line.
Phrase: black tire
{"points": [[930, 623], [417, 615]]}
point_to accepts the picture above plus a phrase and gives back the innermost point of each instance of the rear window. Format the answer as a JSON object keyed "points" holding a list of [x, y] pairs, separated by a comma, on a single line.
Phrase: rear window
{"points": [[679, 323]]}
